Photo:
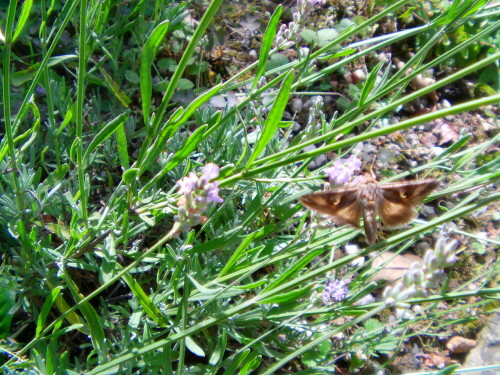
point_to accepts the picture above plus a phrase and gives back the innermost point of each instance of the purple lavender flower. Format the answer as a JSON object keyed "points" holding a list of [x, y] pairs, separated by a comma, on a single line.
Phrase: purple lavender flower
{"points": [[210, 171], [342, 170], [213, 193], [197, 192], [335, 290], [187, 184], [40, 90]]}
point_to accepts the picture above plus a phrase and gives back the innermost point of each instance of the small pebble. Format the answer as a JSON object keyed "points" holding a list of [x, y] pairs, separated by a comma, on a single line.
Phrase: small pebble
{"points": [[427, 211], [253, 54], [358, 76], [286, 116], [445, 103], [437, 150], [297, 105]]}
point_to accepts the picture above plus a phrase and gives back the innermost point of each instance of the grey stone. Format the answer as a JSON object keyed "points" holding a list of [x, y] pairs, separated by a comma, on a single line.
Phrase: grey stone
{"points": [[487, 353]]}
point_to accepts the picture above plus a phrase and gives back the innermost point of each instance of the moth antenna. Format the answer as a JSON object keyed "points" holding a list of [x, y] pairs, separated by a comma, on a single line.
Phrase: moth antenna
{"points": [[369, 170]]}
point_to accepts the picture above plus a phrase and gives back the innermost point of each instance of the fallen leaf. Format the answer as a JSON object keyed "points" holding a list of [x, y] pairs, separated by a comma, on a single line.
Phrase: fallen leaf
{"points": [[393, 270]]}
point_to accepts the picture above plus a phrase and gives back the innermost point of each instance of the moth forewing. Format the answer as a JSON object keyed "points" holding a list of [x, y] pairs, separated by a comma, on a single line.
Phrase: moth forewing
{"points": [[412, 192], [341, 203]]}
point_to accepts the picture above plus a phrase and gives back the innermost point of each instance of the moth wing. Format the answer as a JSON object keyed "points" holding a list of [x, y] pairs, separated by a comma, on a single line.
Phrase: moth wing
{"points": [[342, 204], [397, 206]]}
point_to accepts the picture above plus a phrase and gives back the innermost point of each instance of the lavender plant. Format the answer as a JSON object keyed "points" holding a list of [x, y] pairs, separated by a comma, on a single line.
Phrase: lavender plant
{"points": [[112, 167]]}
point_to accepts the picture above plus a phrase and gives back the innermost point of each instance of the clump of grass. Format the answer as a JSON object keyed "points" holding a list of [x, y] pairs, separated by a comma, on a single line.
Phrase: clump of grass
{"points": [[108, 266]]}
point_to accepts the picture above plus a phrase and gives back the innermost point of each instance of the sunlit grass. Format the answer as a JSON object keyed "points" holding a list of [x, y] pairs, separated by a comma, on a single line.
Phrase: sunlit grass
{"points": [[98, 276]]}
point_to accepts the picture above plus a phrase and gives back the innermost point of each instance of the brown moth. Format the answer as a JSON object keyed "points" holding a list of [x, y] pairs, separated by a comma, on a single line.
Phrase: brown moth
{"points": [[393, 202]]}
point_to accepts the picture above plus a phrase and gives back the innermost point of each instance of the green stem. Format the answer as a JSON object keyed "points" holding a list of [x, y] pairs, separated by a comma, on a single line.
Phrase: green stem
{"points": [[48, 92], [9, 131], [82, 63]]}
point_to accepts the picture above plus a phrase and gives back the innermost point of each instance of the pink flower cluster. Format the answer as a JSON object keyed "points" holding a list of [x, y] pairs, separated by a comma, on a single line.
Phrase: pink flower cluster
{"points": [[335, 290], [342, 170], [197, 193]]}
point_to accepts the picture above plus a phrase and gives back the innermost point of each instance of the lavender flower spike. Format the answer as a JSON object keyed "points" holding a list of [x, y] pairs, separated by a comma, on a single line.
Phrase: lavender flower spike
{"points": [[422, 276], [342, 170], [210, 171], [197, 192], [335, 290]]}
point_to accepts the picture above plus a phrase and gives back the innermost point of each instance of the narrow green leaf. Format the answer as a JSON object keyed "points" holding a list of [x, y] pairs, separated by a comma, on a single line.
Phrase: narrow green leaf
{"points": [[471, 155], [73, 317], [47, 305], [294, 295], [202, 289], [121, 146], [6, 303], [25, 75], [220, 349], [294, 270], [52, 358], [447, 370], [115, 88], [460, 10], [250, 363], [147, 57], [25, 13], [206, 20], [68, 116], [345, 52], [454, 147], [251, 285], [187, 148], [195, 104], [370, 82], [171, 128], [194, 347], [94, 323], [267, 44], [159, 143], [33, 129], [274, 117], [218, 242], [130, 175], [72, 150], [236, 363], [150, 309], [105, 132], [237, 254]]}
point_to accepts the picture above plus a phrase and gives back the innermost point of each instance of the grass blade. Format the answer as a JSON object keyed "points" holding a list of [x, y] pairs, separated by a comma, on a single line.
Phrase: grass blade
{"points": [[147, 57], [274, 118]]}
